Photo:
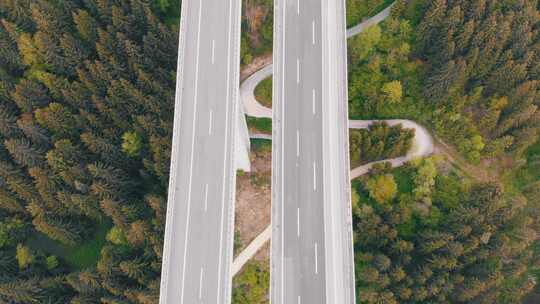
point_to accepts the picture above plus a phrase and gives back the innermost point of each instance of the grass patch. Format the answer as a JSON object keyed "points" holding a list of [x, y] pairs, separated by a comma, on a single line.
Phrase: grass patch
{"points": [[532, 152], [251, 285], [263, 125], [81, 256], [518, 179], [261, 145], [404, 179], [237, 243], [263, 92]]}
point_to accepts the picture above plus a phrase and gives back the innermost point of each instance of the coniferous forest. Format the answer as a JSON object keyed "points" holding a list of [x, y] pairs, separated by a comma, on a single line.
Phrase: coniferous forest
{"points": [[460, 227], [86, 113], [86, 103]]}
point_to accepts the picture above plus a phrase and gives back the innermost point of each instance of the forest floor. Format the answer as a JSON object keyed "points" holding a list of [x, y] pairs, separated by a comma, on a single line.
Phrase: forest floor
{"points": [[480, 172], [532, 299], [79, 256], [253, 198]]}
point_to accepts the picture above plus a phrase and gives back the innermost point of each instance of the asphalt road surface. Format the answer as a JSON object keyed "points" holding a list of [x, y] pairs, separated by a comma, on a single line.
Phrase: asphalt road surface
{"points": [[198, 247], [311, 241]]}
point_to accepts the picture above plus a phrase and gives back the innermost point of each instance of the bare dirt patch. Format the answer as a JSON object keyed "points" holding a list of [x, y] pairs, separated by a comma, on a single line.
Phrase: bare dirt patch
{"points": [[255, 15], [253, 196], [479, 172], [257, 64]]}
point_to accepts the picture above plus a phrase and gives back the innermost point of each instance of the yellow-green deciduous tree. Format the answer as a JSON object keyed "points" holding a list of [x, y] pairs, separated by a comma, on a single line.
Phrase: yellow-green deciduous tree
{"points": [[393, 91], [24, 256], [382, 188]]}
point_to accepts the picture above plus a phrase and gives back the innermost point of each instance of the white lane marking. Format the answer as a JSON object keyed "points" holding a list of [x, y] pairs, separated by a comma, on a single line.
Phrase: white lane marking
{"points": [[201, 283], [314, 176], [283, 55], [298, 7], [299, 301], [192, 152], [206, 198], [314, 97], [218, 293], [298, 222], [297, 70], [297, 143], [213, 51], [210, 122], [316, 260], [313, 32]]}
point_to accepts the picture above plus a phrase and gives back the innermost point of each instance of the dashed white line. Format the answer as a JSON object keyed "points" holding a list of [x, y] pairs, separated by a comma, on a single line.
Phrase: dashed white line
{"points": [[313, 100], [298, 222], [313, 32], [210, 122], [201, 283], [316, 260], [206, 198], [297, 70], [314, 176], [213, 51], [298, 7], [297, 143], [299, 300]]}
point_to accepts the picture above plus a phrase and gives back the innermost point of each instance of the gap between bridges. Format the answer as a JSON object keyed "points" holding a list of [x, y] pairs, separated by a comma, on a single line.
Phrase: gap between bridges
{"points": [[422, 142]]}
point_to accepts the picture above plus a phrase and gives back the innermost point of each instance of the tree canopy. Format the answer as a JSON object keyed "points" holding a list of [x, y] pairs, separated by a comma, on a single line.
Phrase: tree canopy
{"points": [[86, 103]]}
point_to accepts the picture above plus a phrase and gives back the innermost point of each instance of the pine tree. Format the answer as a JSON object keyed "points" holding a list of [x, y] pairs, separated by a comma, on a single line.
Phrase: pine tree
{"points": [[86, 26], [9, 202], [29, 95], [24, 153], [57, 229], [47, 185], [8, 126], [57, 119], [21, 291], [9, 56], [85, 282], [138, 232], [37, 135], [134, 269], [74, 53], [88, 205]]}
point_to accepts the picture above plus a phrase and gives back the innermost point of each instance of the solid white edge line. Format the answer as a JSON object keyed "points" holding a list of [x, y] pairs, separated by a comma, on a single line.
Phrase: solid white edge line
{"points": [[225, 154], [284, 16], [192, 151]]}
